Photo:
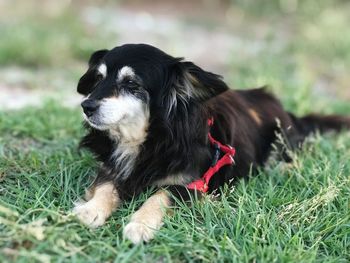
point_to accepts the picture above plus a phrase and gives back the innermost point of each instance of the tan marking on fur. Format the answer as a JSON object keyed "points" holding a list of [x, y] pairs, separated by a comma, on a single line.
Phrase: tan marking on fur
{"points": [[191, 78], [148, 219], [255, 116], [134, 135], [178, 179], [102, 203]]}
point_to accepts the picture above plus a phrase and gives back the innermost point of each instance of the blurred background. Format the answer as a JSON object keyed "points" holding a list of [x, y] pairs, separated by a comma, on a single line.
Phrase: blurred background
{"points": [[300, 48]]}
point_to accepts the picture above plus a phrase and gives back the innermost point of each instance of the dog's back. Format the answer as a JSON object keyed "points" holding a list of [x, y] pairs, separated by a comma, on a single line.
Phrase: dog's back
{"points": [[254, 121]]}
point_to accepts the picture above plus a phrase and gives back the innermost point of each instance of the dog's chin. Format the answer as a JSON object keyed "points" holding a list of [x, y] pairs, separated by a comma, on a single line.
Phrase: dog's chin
{"points": [[97, 124]]}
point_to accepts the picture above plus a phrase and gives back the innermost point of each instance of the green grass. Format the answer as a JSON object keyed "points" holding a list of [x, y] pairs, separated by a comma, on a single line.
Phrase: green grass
{"points": [[40, 40], [298, 214], [295, 214]]}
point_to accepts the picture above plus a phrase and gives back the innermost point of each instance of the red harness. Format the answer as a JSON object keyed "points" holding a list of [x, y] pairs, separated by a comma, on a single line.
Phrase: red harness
{"points": [[229, 152]]}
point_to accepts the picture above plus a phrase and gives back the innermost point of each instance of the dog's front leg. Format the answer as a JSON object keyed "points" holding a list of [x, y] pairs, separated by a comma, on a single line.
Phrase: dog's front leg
{"points": [[103, 200], [148, 219]]}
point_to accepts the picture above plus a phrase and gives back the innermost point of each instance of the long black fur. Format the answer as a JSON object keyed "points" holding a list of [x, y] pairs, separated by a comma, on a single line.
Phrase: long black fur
{"points": [[177, 141]]}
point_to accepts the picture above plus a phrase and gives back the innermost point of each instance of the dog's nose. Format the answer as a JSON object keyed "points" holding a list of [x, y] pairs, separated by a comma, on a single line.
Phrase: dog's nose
{"points": [[89, 106]]}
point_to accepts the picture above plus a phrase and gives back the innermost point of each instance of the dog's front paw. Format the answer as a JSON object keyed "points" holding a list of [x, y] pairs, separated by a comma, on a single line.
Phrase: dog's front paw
{"points": [[138, 232], [90, 214]]}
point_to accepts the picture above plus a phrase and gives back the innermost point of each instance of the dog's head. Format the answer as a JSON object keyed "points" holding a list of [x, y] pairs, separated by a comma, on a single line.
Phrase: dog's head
{"points": [[130, 83]]}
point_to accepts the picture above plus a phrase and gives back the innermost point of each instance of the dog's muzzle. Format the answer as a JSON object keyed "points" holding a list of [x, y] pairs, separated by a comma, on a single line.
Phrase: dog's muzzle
{"points": [[90, 107]]}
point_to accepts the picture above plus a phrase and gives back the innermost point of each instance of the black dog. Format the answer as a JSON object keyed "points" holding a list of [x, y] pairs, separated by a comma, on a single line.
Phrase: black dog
{"points": [[157, 121]]}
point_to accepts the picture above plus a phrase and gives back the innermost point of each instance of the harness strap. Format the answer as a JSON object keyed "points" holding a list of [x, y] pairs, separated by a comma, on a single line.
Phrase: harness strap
{"points": [[229, 152]]}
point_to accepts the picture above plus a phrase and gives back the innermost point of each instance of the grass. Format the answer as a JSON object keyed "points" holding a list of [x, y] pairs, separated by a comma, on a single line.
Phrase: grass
{"points": [[299, 214], [295, 214]]}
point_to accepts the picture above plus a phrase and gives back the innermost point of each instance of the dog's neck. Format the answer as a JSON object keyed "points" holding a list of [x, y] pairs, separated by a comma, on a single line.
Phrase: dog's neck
{"points": [[128, 136]]}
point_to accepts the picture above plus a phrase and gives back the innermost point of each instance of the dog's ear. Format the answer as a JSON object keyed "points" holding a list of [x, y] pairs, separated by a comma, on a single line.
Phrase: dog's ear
{"points": [[186, 81], [87, 81], [203, 84]]}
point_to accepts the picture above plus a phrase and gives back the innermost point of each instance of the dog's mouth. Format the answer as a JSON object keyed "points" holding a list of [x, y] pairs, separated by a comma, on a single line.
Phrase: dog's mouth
{"points": [[113, 112], [95, 122]]}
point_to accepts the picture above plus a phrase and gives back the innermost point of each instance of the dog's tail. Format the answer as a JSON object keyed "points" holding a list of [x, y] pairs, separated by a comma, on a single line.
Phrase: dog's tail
{"points": [[322, 123]]}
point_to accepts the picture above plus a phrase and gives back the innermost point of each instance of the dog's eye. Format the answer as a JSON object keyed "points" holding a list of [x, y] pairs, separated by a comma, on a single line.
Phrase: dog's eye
{"points": [[99, 77], [131, 84]]}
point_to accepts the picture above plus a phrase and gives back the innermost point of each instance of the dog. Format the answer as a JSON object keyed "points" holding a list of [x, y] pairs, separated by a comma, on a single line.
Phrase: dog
{"points": [[158, 122]]}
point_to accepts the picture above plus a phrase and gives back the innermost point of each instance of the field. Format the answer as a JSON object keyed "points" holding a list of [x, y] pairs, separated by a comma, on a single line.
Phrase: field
{"points": [[298, 213]]}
